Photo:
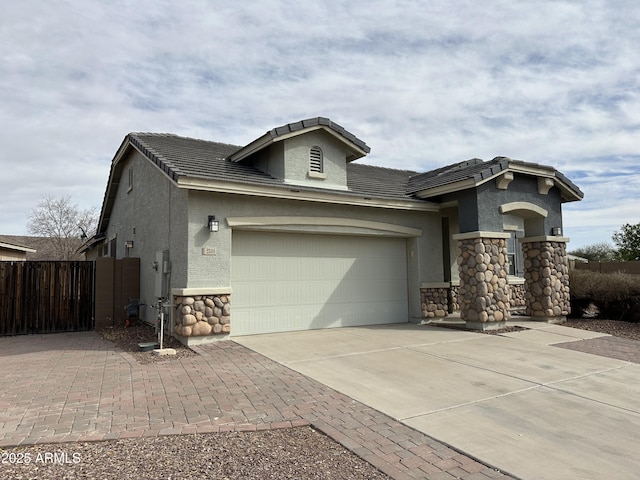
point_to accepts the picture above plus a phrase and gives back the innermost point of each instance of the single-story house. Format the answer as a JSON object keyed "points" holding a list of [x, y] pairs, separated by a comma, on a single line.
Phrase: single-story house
{"points": [[10, 250], [291, 232]]}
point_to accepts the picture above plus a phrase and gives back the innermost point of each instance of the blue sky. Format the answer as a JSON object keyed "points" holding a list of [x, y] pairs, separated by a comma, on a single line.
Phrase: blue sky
{"points": [[424, 83]]}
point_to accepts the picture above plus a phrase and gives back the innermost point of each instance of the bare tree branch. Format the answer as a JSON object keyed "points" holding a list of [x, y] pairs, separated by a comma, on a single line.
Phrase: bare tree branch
{"points": [[60, 220]]}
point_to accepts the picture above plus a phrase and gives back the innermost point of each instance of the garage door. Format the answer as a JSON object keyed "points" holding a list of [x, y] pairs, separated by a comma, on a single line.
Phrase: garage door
{"points": [[283, 282]]}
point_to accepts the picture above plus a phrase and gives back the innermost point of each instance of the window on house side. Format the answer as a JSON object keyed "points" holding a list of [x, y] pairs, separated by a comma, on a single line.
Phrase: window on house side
{"points": [[511, 253], [315, 160]]}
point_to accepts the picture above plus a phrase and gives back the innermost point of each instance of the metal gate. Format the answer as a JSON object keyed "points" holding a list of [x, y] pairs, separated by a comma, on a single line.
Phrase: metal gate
{"points": [[46, 297]]}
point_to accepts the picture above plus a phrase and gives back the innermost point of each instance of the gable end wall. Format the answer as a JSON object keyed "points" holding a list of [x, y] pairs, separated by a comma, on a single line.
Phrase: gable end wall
{"points": [[296, 159], [153, 215]]}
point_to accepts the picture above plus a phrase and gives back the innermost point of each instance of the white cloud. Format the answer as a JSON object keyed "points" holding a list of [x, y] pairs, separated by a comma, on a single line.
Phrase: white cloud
{"points": [[423, 83]]}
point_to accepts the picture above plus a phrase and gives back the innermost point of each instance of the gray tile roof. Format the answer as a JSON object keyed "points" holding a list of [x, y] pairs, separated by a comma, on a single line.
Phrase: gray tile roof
{"points": [[190, 157], [318, 121], [378, 181], [476, 170], [182, 156], [470, 169], [16, 241]]}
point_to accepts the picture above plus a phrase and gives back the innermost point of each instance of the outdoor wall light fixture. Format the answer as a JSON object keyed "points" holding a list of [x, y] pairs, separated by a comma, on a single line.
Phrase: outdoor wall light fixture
{"points": [[213, 224], [128, 244], [556, 231]]}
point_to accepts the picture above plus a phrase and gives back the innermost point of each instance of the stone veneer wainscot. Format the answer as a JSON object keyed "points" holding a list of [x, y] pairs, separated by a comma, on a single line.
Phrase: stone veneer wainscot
{"points": [[202, 315], [434, 298]]}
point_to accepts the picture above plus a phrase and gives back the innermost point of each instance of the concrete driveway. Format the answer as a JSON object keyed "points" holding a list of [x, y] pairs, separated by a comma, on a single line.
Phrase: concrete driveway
{"points": [[513, 401]]}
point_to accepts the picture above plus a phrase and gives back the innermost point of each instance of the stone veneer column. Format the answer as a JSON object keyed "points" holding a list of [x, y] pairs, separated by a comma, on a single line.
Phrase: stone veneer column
{"points": [[484, 295], [546, 274]]}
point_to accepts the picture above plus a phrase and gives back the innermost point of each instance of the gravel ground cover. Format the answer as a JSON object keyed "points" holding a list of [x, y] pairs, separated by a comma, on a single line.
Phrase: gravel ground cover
{"points": [[295, 453], [127, 339], [300, 453], [617, 328]]}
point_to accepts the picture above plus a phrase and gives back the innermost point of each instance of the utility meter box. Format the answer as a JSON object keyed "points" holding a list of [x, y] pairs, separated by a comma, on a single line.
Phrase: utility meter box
{"points": [[162, 266]]}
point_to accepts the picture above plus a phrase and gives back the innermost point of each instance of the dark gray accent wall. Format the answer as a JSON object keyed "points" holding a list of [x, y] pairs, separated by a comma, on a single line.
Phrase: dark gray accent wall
{"points": [[479, 208], [467, 209], [523, 188]]}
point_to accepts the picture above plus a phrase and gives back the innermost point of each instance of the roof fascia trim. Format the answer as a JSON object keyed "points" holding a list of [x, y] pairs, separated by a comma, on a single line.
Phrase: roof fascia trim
{"points": [[569, 194], [290, 192], [18, 248], [447, 188], [253, 147], [124, 149]]}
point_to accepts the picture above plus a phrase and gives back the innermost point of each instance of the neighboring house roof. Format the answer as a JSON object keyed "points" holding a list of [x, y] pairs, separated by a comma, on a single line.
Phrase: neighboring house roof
{"points": [[39, 248], [474, 172], [356, 146], [9, 242]]}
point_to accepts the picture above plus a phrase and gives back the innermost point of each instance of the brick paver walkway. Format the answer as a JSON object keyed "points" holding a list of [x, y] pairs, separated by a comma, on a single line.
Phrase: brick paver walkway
{"points": [[77, 387]]}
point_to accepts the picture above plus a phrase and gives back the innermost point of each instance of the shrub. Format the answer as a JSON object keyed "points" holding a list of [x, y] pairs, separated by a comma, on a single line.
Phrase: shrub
{"points": [[617, 295]]}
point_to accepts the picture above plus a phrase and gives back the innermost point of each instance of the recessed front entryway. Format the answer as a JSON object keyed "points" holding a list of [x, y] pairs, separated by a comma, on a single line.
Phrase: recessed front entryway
{"points": [[286, 281]]}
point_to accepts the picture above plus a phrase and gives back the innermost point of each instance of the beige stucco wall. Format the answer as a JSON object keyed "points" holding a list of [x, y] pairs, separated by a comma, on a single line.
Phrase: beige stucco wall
{"points": [[157, 215], [209, 269], [296, 160]]}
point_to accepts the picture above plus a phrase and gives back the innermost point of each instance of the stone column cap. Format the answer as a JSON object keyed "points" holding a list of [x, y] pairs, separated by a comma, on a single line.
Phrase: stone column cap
{"points": [[544, 238], [184, 292], [480, 234]]}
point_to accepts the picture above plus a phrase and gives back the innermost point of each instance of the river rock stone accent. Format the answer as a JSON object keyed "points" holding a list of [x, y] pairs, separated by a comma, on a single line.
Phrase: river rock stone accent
{"points": [[454, 305], [435, 302], [202, 315], [484, 294], [546, 274], [518, 299]]}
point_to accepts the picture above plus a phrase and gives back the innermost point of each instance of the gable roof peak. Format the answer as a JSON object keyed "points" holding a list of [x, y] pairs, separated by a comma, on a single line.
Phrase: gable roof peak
{"points": [[356, 147], [474, 172]]}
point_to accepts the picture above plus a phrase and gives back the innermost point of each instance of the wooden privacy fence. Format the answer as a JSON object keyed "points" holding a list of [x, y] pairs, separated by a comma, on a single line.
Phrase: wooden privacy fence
{"points": [[631, 268], [45, 297]]}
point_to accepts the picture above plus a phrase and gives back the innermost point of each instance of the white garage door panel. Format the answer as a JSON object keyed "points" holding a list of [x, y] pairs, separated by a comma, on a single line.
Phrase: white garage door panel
{"points": [[284, 282]]}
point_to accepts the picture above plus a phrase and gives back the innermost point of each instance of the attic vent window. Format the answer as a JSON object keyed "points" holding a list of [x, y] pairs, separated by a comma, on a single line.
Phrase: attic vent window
{"points": [[315, 160]]}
